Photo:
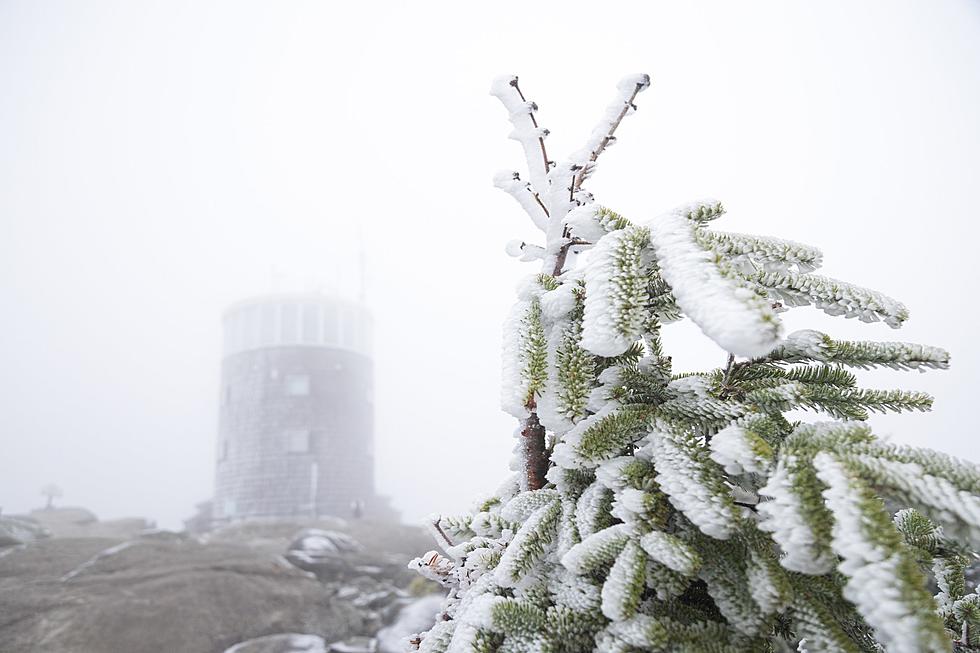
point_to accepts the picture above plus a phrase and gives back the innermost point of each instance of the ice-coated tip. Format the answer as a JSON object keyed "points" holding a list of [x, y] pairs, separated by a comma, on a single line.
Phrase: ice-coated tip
{"points": [[502, 85], [514, 248], [638, 82], [504, 178]]}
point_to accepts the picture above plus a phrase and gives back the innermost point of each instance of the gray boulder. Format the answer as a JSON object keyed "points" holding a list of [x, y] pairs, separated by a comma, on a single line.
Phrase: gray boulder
{"points": [[158, 593]]}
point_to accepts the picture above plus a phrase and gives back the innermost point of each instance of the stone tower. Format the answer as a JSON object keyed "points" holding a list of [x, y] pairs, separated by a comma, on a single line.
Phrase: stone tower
{"points": [[296, 423]]}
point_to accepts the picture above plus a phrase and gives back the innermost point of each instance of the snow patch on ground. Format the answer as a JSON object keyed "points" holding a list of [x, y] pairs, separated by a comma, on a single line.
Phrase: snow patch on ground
{"points": [[101, 555], [284, 643], [415, 617]]}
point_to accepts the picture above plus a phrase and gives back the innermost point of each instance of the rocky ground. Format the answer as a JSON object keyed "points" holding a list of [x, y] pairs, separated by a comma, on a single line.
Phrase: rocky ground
{"points": [[276, 587]]}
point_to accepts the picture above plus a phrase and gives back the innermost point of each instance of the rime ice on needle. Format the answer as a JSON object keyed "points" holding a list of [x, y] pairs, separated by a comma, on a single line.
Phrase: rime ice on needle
{"points": [[709, 291], [659, 511]]}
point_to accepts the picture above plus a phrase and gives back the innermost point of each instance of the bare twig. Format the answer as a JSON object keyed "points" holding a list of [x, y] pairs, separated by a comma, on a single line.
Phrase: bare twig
{"points": [[537, 198], [608, 138], [727, 377], [446, 542]]}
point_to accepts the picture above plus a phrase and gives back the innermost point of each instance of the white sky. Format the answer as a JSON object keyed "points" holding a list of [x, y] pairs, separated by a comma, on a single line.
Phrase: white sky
{"points": [[161, 160]]}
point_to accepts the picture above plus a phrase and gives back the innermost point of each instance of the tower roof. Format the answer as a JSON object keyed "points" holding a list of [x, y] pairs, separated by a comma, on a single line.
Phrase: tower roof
{"points": [[297, 320]]}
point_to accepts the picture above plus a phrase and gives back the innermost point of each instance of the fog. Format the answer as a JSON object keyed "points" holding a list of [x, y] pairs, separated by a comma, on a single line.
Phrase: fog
{"points": [[159, 161]]}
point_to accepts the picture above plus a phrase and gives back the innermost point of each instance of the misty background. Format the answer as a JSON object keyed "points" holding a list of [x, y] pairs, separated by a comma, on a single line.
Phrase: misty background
{"points": [[159, 161]]}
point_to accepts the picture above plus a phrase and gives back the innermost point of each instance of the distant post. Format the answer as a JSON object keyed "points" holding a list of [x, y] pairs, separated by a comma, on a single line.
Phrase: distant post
{"points": [[52, 492]]}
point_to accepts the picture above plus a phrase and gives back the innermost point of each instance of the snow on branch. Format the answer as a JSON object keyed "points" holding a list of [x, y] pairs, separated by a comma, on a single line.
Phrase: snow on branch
{"points": [[833, 297], [688, 477], [708, 291], [603, 134], [591, 222], [526, 130], [512, 184], [615, 293], [770, 253], [566, 178], [524, 251], [792, 515], [883, 580], [809, 345]]}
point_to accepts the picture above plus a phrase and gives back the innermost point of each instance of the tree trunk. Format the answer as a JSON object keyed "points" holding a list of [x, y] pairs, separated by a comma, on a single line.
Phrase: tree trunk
{"points": [[533, 452]]}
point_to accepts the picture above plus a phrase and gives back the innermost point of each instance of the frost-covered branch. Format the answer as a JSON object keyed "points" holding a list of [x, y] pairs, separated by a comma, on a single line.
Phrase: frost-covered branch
{"points": [[808, 345], [512, 184], [604, 133], [526, 131], [710, 292]]}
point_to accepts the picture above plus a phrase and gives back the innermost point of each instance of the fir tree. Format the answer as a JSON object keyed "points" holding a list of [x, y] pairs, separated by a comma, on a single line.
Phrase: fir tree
{"points": [[654, 511]]}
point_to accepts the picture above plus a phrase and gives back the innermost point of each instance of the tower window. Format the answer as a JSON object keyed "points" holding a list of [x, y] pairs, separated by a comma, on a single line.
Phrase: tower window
{"points": [[298, 441], [297, 385]]}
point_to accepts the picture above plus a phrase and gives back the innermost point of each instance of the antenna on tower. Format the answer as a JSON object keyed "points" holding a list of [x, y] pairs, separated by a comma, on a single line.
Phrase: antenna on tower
{"points": [[362, 274]]}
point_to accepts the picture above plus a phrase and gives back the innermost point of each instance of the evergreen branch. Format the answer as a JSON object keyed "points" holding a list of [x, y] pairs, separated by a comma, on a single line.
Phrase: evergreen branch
{"points": [[853, 403], [708, 291], [808, 345], [770, 253], [602, 436], [692, 481], [883, 580], [832, 296], [702, 211], [936, 496], [529, 544], [615, 293], [744, 376]]}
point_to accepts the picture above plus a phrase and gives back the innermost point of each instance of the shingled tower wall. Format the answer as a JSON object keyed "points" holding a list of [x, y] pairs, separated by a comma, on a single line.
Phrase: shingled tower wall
{"points": [[296, 432]]}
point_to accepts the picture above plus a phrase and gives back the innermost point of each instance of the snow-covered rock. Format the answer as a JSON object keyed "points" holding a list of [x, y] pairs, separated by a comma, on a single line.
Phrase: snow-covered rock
{"points": [[354, 645], [284, 643], [415, 617], [14, 530]]}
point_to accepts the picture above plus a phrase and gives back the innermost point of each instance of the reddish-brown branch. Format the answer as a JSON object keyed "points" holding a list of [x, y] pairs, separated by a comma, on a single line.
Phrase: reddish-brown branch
{"points": [[534, 452], [437, 529], [563, 253], [537, 198]]}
